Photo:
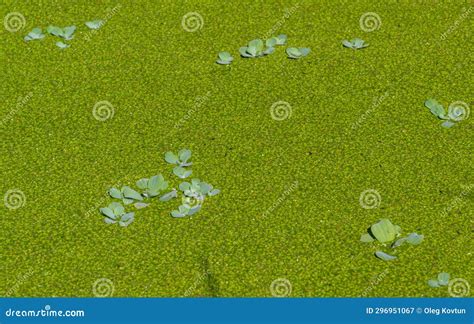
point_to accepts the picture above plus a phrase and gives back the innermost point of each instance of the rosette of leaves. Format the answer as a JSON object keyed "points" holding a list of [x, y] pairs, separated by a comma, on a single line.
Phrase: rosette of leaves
{"points": [[385, 232], [224, 58], [36, 33], [115, 213], [297, 52], [95, 24], [438, 110], [255, 48], [355, 43], [65, 33], [194, 193], [126, 194], [152, 186], [181, 160], [441, 280]]}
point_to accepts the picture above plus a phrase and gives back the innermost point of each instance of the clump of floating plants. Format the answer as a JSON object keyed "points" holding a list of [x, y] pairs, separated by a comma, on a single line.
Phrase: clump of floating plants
{"points": [[64, 33], [192, 193], [456, 112], [355, 43], [258, 48], [385, 233]]}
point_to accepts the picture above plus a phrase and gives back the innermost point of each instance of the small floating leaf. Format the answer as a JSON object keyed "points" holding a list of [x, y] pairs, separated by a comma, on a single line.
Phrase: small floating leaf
{"points": [[414, 238], [181, 172], [184, 155], [271, 42], [126, 219], [68, 31], [115, 193], [168, 196], [108, 212], [54, 30], [62, 45], [448, 124], [225, 58], [366, 238], [436, 108], [384, 231], [384, 256], [117, 208], [433, 283], [281, 39], [399, 242], [142, 183], [140, 205], [214, 192], [443, 278], [94, 24], [131, 194], [171, 158], [177, 214]]}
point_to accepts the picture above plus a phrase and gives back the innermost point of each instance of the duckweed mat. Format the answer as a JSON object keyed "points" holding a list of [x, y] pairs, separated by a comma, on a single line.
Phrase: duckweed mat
{"points": [[308, 153]]}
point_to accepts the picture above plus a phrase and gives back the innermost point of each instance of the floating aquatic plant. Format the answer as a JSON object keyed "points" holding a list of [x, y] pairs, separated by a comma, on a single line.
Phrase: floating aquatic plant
{"points": [[412, 238], [256, 48], [36, 33], [170, 195], [450, 118], [94, 24], [62, 45], [115, 212], [384, 232], [224, 58], [127, 194], [384, 256], [297, 52], [442, 280], [355, 43], [181, 160], [194, 193], [65, 33], [152, 186]]}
